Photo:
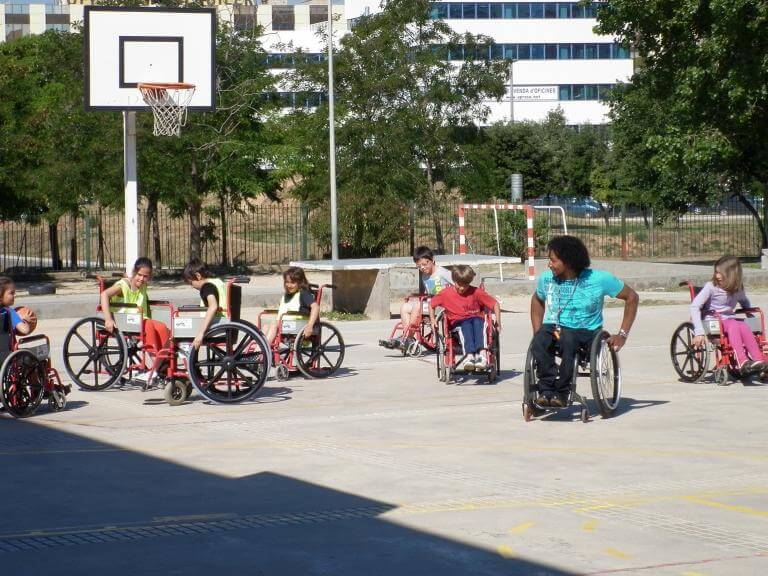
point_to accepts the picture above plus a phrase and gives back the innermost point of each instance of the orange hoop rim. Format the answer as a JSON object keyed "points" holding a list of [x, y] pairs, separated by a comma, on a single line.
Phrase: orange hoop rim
{"points": [[165, 86]]}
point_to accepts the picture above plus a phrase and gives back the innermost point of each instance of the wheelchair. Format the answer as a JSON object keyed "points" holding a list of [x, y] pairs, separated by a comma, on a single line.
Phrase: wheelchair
{"points": [[26, 375], [598, 362], [232, 363], [450, 353], [717, 356], [421, 337], [96, 359], [318, 356]]}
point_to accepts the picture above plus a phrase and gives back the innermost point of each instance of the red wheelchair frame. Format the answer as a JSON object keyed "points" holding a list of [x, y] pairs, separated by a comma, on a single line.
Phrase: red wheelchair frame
{"points": [[448, 358], [292, 352], [692, 364], [420, 334], [27, 377]]}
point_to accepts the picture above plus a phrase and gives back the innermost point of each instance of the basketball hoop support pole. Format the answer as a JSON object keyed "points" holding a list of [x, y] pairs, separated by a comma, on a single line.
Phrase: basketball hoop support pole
{"points": [[131, 191]]}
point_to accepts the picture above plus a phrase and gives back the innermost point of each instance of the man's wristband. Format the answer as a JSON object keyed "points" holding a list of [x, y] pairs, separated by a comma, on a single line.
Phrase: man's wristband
{"points": [[623, 333]]}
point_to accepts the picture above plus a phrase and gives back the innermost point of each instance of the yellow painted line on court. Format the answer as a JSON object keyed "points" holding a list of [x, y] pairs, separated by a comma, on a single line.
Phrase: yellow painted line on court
{"points": [[589, 525], [522, 528], [505, 551], [730, 507], [616, 553]]}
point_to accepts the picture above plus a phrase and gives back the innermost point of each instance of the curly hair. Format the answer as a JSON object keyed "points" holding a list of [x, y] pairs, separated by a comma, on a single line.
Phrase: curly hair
{"points": [[571, 251]]}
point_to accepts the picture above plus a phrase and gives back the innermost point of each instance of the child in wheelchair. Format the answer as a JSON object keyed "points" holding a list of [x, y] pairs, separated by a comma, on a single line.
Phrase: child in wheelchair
{"points": [[12, 322], [298, 300], [719, 297], [464, 305]]}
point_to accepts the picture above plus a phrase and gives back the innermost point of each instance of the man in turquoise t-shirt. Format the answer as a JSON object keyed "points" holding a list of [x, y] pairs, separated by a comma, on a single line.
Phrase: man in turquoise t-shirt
{"points": [[567, 307]]}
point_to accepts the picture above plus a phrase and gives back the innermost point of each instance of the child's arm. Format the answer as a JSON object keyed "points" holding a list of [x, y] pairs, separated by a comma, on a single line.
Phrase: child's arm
{"points": [[22, 326], [213, 308], [314, 315], [497, 314], [109, 322]]}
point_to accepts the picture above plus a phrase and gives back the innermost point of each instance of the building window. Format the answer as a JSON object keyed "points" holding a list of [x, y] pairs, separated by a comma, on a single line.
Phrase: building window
{"points": [[497, 10], [468, 10], [244, 17], [564, 51], [454, 10], [577, 51], [497, 51], [620, 52], [319, 13], [590, 51], [523, 51], [550, 51], [483, 11], [550, 10], [14, 31], [456, 52], [590, 91], [537, 51], [603, 91], [564, 10], [524, 10], [537, 10], [283, 18], [565, 92], [16, 9], [57, 27], [577, 11], [510, 10], [578, 92], [439, 10], [604, 51]]}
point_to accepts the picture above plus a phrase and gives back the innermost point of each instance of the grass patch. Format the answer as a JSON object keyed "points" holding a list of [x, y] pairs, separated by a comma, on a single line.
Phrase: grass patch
{"points": [[343, 316]]}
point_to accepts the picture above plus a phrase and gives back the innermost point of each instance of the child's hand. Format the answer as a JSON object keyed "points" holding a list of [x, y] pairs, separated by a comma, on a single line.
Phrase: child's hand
{"points": [[308, 329], [698, 341], [109, 325], [27, 315], [197, 342]]}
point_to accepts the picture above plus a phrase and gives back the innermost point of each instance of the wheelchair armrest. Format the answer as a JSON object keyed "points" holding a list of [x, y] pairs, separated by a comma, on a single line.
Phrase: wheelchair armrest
{"points": [[747, 310], [269, 311], [123, 305], [192, 308], [159, 302], [28, 339], [684, 283]]}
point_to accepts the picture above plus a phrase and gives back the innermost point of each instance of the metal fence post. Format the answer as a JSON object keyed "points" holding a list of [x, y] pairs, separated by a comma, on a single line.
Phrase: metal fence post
{"points": [[304, 214]]}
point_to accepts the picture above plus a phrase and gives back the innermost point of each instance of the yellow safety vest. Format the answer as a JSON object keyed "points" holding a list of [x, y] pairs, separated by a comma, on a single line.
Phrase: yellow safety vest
{"points": [[221, 288], [129, 296], [290, 304]]}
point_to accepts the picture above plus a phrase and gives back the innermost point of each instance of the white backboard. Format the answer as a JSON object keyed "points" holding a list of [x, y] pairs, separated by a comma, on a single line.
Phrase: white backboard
{"points": [[125, 46]]}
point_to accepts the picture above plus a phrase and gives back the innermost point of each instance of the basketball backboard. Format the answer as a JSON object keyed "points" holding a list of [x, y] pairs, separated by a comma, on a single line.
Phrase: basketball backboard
{"points": [[126, 46]]}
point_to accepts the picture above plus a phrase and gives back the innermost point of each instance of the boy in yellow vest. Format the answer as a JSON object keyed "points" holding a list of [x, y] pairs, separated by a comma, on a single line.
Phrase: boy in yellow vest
{"points": [[213, 294]]}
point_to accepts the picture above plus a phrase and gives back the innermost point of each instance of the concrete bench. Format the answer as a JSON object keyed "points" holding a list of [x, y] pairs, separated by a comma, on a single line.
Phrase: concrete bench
{"points": [[363, 285]]}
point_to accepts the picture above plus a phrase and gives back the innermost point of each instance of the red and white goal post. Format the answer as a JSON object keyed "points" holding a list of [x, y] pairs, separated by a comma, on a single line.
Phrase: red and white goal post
{"points": [[528, 221]]}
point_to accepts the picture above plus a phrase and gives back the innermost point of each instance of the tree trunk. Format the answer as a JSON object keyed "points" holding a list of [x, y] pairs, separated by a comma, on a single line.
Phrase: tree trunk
{"points": [[195, 229], [100, 239], [645, 219], [73, 244], [158, 252], [147, 227], [223, 227], [435, 207], [53, 242]]}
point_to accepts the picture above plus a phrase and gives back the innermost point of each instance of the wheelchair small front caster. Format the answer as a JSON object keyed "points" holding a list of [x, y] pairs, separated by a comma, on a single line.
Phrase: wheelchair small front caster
{"points": [[281, 372], [57, 401], [722, 377], [415, 349], [527, 412], [176, 392], [584, 415]]}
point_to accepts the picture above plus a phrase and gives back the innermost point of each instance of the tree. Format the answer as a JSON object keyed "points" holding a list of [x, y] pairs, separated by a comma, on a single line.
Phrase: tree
{"points": [[700, 98], [400, 102]]}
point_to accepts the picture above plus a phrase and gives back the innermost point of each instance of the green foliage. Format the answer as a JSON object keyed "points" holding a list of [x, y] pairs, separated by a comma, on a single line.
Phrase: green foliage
{"points": [[513, 234], [693, 124]]}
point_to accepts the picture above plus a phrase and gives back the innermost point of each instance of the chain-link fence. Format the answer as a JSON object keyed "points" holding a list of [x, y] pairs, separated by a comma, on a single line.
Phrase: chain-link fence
{"points": [[275, 234]]}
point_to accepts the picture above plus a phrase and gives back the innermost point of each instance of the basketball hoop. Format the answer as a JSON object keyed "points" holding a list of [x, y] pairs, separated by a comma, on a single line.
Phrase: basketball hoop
{"points": [[169, 105]]}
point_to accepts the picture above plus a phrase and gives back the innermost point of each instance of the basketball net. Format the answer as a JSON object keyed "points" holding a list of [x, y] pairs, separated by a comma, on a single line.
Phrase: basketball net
{"points": [[169, 103]]}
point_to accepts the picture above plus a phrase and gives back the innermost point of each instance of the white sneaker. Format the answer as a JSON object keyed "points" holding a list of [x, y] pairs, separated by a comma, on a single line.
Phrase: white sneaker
{"points": [[468, 365], [480, 364]]}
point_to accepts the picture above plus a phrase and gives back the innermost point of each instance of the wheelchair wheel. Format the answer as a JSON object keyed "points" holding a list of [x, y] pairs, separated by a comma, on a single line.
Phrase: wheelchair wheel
{"points": [[530, 388], [321, 354], [93, 358], [57, 401], [690, 363], [23, 379], [231, 365], [605, 375], [494, 364], [176, 392]]}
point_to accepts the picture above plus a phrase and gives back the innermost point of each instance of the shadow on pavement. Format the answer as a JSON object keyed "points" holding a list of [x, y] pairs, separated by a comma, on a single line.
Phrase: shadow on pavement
{"points": [[72, 505]]}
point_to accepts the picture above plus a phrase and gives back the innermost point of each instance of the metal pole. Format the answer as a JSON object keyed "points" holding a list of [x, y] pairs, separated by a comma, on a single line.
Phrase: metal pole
{"points": [[332, 139], [511, 91], [131, 190], [498, 242]]}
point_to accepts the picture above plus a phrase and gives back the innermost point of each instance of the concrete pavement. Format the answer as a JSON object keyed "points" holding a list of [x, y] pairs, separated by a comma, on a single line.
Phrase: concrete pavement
{"points": [[384, 470]]}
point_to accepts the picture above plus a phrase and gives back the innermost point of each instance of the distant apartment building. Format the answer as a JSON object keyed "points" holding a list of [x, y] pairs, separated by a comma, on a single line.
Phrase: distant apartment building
{"points": [[555, 58]]}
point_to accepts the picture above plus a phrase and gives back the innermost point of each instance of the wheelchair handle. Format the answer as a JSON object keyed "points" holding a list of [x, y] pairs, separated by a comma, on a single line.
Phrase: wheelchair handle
{"points": [[684, 283], [192, 308], [159, 302], [241, 279], [26, 339]]}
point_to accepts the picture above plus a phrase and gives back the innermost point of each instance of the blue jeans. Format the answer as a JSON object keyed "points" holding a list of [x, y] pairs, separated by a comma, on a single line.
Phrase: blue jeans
{"points": [[472, 333]]}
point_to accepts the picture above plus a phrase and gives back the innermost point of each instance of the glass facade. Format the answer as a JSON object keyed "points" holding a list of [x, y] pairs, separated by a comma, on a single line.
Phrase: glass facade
{"points": [[511, 10], [577, 51]]}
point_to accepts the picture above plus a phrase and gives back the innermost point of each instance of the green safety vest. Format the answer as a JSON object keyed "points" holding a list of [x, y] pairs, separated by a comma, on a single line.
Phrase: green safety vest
{"points": [[129, 296], [221, 288]]}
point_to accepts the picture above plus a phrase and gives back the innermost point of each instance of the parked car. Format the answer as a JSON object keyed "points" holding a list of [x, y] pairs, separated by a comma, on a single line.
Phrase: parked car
{"points": [[727, 206], [574, 206]]}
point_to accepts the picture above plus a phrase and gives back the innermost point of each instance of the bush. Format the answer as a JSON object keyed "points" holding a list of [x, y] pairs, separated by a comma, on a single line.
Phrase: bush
{"points": [[513, 233]]}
